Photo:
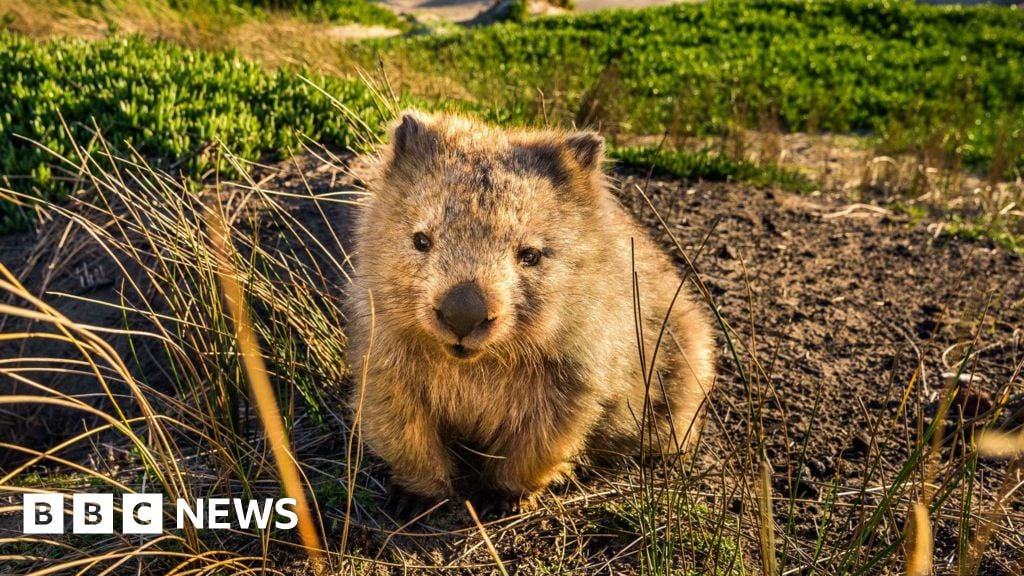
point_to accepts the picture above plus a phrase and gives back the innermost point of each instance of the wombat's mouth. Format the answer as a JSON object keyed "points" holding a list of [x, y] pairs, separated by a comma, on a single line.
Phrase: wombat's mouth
{"points": [[461, 352]]}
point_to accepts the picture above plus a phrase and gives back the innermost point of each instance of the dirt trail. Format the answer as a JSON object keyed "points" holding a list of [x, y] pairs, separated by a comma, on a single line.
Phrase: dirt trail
{"points": [[462, 10]]}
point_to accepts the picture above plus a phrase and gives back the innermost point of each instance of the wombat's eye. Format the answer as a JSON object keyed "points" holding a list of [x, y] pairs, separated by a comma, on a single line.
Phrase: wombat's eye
{"points": [[529, 256], [421, 242]]}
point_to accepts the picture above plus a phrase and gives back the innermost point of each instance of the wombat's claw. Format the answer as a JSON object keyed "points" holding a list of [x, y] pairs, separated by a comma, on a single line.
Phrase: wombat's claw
{"points": [[496, 504], [403, 505]]}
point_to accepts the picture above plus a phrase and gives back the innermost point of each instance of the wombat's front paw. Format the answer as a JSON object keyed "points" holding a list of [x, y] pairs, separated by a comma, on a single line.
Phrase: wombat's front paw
{"points": [[403, 505], [499, 503]]}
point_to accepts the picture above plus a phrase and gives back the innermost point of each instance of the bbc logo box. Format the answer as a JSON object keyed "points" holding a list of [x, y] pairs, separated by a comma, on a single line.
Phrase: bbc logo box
{"points": [[93, 514], [44, 514]]}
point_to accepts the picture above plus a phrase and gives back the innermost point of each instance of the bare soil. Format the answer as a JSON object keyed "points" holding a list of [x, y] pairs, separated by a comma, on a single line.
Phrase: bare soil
{"points": [[849, 307], [848, 323]]}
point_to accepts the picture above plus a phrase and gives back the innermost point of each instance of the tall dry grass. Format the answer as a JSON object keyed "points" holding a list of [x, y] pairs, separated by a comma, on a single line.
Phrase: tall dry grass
{"points": [[196, 301]]}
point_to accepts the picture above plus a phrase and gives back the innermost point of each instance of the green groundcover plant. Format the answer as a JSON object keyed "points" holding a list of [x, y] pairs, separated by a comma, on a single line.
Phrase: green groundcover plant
{"points": [[163, 101]]}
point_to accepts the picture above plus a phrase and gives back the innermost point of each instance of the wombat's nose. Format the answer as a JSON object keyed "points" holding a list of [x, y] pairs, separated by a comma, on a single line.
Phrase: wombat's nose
{"points": [[463, 309]]}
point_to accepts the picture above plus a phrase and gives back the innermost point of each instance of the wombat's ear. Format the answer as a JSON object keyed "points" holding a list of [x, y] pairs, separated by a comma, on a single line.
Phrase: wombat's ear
{"points": [[587, 148], [411, 134]]}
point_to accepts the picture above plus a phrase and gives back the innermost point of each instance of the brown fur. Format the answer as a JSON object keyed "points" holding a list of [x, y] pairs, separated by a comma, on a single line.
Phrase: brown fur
{"points": [[559, 371]]}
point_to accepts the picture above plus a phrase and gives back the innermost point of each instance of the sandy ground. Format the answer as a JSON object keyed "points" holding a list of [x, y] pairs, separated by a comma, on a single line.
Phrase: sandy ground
{"points": [[459, 10]]}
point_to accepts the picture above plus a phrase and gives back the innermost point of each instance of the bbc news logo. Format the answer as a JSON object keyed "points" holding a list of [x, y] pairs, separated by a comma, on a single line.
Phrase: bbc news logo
{"points": [[144, 514]]}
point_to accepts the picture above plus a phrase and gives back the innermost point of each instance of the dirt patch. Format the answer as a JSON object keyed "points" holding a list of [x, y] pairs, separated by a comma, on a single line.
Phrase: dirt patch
{"points": [[359, 32], [848, 324], [849, 307]]}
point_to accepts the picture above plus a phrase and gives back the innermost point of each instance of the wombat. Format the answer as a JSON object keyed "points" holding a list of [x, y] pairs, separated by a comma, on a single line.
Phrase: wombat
{"points": [[498, 293]]}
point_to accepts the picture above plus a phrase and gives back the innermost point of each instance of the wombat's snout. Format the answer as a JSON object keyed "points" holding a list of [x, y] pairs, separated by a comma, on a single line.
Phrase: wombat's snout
{"points": [[463, 309]]}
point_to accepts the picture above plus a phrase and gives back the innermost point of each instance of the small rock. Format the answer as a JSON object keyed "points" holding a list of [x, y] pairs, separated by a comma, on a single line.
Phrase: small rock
{"points": [[973, 402], [807, 489], [726, 252], [859, 446], [821, 467]]}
